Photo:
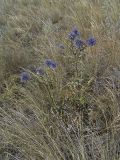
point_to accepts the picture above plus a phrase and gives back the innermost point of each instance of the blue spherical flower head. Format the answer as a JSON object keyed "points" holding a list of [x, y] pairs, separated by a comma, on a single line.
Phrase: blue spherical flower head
{"points": [[51, 64], [24, 77], [91, 41], [79, 43], [40, 71], [74, 33]]}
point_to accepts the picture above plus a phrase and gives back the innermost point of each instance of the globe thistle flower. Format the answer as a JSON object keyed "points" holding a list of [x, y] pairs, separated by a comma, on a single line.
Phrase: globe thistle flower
{"points": [[79, 43], [24, 77], [40, 71], [74, 33], [50, 63], [91, 41], [72, 36]]}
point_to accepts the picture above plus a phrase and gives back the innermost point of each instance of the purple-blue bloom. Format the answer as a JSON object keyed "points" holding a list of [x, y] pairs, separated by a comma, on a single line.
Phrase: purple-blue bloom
{"points": [[50, 63], [78, 43], [91, 41], [24, 77], [74, 33]]}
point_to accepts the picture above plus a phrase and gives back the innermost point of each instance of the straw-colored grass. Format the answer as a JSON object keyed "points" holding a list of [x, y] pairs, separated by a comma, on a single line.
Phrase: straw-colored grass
{"points": [[73, 111]]}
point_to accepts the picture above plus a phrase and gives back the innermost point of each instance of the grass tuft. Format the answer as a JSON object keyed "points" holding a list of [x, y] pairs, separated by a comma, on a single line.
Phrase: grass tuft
{"points": [[60, 80]]}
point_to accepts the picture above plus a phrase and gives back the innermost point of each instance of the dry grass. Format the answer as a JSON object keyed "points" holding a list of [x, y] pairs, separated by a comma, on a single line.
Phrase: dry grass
{"points": [[65, 114]]}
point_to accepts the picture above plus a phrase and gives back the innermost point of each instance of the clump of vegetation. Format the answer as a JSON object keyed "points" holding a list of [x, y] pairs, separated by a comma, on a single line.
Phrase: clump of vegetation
{"points": [[60, 80]]}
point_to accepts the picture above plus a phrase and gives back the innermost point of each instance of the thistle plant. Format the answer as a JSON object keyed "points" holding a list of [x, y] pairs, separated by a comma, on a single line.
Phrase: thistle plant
{"points": [[64, 104], [24, 77], [78, 47]]}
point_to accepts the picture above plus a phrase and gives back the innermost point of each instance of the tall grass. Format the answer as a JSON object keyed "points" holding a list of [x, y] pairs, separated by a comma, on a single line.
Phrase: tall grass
{"points": [[71, 111]]}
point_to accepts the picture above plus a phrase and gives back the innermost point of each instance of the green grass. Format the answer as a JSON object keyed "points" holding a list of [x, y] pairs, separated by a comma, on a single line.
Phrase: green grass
{"points": [[72, 112]]}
